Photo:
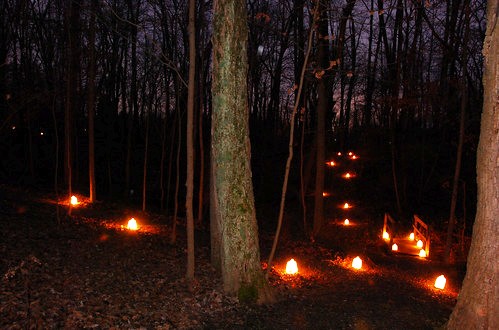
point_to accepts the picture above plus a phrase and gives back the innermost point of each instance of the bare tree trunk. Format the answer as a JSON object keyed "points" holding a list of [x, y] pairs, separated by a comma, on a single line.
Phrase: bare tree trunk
{"points": [[323, 95], [173, 236], [478, 301], [190, 142], [144, 177], [367, 111], [133, 107], [56, 164], [291, 142], [73, 17], [201, 156], [163, 156], [459, 156], [91, 102]]}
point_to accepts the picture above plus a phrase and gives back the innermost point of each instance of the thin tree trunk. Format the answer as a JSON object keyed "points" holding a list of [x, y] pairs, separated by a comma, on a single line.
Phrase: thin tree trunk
{"points": [[459, 156], [56, 163], [291, 142], [201, 157], [91, 103], [144, 178], [162, 162], [173, 236], [72, 17], [323, 95], [190, 142]]}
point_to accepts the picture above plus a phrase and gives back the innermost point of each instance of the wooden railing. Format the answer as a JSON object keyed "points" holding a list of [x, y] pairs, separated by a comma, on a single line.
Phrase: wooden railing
{"points": [[422, 232], [388, 227]]}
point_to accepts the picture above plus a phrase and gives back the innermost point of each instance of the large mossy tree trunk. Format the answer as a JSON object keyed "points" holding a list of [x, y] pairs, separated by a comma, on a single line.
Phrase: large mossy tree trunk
{"points": [[478, 300], [233, 213]]}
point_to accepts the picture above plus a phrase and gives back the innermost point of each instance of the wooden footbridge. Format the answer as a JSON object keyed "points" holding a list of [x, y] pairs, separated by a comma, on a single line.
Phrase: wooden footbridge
{"points": [[416, 243]]}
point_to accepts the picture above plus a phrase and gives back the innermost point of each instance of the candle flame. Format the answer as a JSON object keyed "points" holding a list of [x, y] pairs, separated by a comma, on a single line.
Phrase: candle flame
{"points": [[74, 200], [346, 206], [395, 247], [386, 236], [411, 236], [422, 253], [346, 222], [419, 244]]}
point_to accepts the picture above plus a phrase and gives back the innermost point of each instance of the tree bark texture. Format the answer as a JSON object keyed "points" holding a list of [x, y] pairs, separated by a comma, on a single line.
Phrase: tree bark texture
{"points": [[478, 300], [232, 191]]}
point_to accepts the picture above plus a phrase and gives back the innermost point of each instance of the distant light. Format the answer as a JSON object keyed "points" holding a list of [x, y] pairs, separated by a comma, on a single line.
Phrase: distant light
{"points": [[395, 247], [13, 127], [41, 133], [411, 236], [357, 263], [422, 253], [440, 282], [347, 175], [339, 153], [346, 222], [419, 244], [347, 206], [331, 163], [350, 153], [354, 157]]}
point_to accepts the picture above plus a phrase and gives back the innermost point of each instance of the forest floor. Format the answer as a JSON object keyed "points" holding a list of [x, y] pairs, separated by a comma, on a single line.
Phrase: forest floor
{"points": [[90, 272]]}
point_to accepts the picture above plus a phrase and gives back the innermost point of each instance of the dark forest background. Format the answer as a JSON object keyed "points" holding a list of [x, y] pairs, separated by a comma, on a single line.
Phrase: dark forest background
{"points": [[403, 90]]}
